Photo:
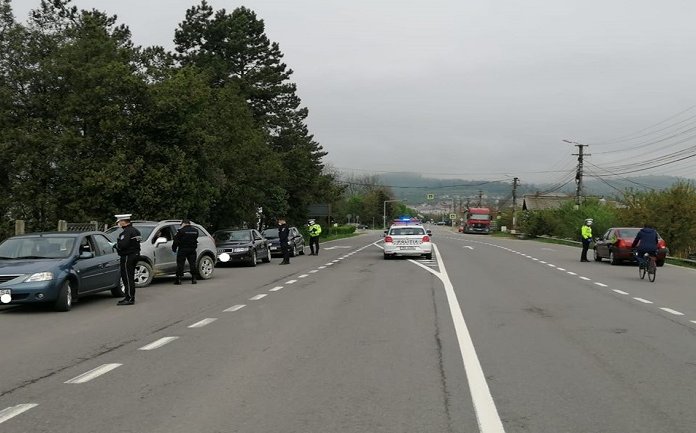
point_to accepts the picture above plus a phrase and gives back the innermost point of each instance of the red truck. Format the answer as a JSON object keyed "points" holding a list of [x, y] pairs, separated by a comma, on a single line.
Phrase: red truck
{"points": [[478, 220]]}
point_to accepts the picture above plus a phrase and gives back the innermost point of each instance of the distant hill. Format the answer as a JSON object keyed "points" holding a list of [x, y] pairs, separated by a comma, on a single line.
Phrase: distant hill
{"points": [[414, 187]]}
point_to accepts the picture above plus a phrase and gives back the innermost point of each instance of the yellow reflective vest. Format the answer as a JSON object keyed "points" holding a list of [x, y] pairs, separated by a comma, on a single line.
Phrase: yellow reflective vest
{"points": [[314, 230], [586, 232]]}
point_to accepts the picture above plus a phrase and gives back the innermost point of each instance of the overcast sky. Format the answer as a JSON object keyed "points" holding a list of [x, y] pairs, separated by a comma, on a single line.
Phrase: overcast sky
{"points": [[477, 89]]}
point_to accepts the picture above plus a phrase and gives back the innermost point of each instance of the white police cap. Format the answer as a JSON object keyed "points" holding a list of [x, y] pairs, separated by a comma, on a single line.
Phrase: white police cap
{"points": [[123, 216]]}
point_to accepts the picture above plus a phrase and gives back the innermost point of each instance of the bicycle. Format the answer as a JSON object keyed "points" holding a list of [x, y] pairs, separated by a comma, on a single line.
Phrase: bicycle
{"points": [[646, 264]]}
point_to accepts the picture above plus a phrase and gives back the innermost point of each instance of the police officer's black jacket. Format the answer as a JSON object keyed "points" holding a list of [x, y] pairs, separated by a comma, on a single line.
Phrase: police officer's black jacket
{"points": [[128, 241], [185, 239], [284, 233]]}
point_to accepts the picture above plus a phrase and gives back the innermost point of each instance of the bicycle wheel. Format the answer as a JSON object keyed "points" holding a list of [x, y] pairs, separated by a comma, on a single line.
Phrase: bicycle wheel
{"points": [[652, 270], [641, 271]]}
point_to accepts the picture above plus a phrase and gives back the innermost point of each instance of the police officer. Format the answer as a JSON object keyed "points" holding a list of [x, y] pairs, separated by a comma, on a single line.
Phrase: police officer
{"points": [[128, 247], [314, 232], [284, 237], [184, 245], [586, 235]]}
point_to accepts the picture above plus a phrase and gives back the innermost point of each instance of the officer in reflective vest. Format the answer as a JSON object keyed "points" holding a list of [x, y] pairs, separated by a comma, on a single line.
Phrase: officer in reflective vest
{"points": [[314, 232]]}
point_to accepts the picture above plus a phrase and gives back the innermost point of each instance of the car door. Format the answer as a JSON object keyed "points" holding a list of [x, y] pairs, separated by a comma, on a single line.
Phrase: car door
{"points": [[109, 259], [259, 244], [164, 257], [604, 245], [88, 266]]}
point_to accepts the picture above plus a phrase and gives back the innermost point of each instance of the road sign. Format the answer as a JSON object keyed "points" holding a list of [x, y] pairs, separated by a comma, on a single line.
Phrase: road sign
{"points": [[453, 216], [431, 196]]}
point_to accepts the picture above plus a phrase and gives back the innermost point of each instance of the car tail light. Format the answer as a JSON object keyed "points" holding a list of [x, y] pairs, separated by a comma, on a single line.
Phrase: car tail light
{"points": [[388, 239], [661, 244], [426, 238], [623, 243]]}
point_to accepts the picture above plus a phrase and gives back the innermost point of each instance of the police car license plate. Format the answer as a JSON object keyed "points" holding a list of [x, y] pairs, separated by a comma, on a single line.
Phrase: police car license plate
{"points": [[5, 296], [407, 248]]}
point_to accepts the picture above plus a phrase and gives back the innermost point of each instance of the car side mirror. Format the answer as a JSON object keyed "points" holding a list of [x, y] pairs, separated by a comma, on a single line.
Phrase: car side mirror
{"points": [[161, 240], [86, 255]]}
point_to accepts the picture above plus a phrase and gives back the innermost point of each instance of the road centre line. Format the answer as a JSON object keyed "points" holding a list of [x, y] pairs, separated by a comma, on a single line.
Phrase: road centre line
{"points": [[549, 264], [275, 289], [583, 278], [234, 308], [561, 269], [541, 261], [671, 311], [13, 411], [93, 374], [321, 267], [645, 301], [159, 343], [601, 284], [334, 261], [291, 282], [203, 322], [620, 292], [571, 273], [257, 297], [329, 264], [313, 271], [303, 276]]}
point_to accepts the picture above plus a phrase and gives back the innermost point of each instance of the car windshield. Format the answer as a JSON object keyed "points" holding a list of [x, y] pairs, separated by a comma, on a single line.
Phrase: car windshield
{"points": [[407, 231], [144, 230], [270, 233], [37, 248], [236, 235]]}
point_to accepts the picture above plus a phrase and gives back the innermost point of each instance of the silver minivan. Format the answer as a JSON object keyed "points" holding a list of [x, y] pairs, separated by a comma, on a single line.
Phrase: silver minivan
{"points": [[156, 255]]}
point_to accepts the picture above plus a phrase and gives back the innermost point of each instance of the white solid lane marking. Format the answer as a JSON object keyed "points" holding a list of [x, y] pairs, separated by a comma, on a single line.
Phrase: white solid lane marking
{"points": [[275, 289], [584, 278], [303, 276], [93, 374], [203, 322], [13, 411], [257, 297], [645, 301], [291, 282], [159, 343], [234, 308], [621, 292], [600, 284], [671, 311], [484, 406], [313, 271]]}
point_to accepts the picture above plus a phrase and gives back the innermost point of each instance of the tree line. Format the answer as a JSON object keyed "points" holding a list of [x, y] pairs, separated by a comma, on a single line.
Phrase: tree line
{"points": [[92, 125]]}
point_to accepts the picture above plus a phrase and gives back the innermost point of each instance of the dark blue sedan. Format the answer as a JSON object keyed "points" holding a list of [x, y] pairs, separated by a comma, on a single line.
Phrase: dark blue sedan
{"points": [[57, 267]]}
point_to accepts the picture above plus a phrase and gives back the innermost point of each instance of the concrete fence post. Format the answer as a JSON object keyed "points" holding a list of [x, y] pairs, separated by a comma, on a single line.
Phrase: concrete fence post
{"points": [[62, 226], [19, 227], [95, 225]]}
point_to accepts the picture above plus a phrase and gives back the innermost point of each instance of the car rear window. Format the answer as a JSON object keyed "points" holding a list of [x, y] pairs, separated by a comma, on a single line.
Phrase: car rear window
{"points": [[628, 233], [407, 231]]}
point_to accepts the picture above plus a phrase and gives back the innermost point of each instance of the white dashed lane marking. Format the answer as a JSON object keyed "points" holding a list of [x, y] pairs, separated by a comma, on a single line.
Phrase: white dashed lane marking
{"points": [[13, 411], [203, 322], [620, 292], [93, 374], [234, 308], [159, 343], [584, 278], [671, 311], [257, 297], [322, 267], [601, 284], [275, 289], [313, 271], [645, 301], [303, 276], [291, 282]]}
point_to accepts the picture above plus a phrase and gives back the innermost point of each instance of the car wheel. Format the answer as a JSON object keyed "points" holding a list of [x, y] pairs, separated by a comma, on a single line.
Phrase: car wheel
{"points": [[387, 256], [293, 252], [612, 258], [660, 263], [429, 256], [597, 258], [64, 301], [267, 259], [302, 250], [206, 267], [143, 274], [253, 259], [119, 291]]}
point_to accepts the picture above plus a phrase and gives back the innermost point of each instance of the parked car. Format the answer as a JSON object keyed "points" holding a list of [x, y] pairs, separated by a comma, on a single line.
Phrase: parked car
{"points": [[295, 239], [615, 245], [58, 268], [243, 245], [156, 255]]}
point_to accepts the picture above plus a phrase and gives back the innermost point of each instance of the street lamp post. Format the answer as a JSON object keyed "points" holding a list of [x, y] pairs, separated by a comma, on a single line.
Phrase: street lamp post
{"points": [[384, 213]]}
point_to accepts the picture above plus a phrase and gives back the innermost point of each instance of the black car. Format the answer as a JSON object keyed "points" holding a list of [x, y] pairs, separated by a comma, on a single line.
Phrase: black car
{"points": [[242, 245], [57, 267], [295, 239]]}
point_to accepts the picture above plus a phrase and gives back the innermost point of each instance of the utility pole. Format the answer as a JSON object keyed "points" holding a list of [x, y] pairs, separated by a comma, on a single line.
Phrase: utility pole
{"points": [[514, 203], [578, 174]]}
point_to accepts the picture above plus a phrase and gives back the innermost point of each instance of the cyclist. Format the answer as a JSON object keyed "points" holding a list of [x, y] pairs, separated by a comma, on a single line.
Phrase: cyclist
{"points": [[646, 241]]}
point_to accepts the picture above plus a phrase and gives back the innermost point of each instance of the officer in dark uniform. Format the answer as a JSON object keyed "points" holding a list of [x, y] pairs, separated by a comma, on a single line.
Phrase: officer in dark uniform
{"points": [[128, 247], [284, 236], [185, 243]]}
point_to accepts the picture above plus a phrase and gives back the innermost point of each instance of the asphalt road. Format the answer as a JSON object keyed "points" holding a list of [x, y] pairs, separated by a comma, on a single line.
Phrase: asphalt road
{"points": [[492, 335]]}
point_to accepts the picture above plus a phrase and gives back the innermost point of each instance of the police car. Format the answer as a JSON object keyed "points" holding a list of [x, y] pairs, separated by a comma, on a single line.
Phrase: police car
{"points": [[407, 238]]}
